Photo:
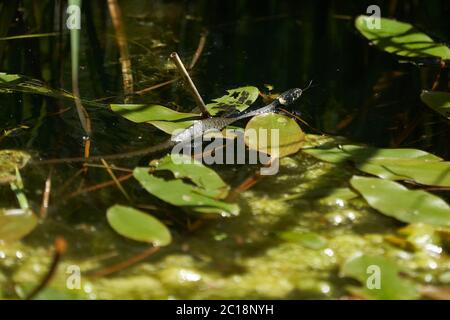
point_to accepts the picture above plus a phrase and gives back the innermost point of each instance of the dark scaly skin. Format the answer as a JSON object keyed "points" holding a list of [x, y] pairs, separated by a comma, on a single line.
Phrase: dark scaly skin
{"points": [[194, 131]]}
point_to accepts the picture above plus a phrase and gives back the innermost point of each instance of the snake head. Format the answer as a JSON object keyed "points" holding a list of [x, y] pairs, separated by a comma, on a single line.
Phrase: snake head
{"points": [[289, 96]]}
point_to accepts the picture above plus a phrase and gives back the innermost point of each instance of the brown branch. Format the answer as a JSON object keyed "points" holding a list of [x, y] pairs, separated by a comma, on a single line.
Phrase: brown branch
{"points": [[99, 186], [60, 249], [125, 264], [116, 17], [198, 98], [46, 196]]}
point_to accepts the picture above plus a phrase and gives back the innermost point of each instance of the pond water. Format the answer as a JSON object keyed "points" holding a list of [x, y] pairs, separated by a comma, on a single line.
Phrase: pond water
{"points": [[280, 246]]}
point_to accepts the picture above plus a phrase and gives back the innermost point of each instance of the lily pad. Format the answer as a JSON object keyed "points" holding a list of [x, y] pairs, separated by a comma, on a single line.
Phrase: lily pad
{"points": [[362, 154], [438, 101], [238, 99], [197, 196], [161, 117], [199, 174], [137, 225], [9, 160], [396, 201], [260, 130], [400, 38], [380, 279], [436, 173], [16, 223]]}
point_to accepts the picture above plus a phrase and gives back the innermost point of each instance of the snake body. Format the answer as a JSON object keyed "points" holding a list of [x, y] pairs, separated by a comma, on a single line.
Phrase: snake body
{"points": [[197, 129]]}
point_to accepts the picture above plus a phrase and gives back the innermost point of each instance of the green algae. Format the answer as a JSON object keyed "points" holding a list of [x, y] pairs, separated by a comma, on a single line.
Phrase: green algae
{"points": [[241, 257]]}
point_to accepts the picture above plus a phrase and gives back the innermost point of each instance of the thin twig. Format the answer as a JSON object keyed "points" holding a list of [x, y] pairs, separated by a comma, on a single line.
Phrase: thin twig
{"points": [[46, 196], [113, 167], [198, 52], [125, 264], [113, 176], [99, 186], [60, 248], [156, 86], [198, 98]]}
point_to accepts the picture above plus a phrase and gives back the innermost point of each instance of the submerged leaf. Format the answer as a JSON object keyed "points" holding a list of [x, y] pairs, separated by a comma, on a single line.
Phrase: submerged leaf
{"points": [[17, 83], [9, 160], [309, 240], [379, 278], [438, 101], [274, 134], [395, 200], [16, 223], [137, 225], [400, 38]]}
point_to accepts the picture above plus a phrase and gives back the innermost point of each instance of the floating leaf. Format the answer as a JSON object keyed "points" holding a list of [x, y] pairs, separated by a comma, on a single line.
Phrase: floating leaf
{"points": [[9, 160], [380, 279], [137, 225], [400, 38], [259, 134], [395, 200], [363, 154], [16, 223], [438, 101], [199, 174], [179, 193], [144, 113], [163, 118], [423, 172], [239, 99]]}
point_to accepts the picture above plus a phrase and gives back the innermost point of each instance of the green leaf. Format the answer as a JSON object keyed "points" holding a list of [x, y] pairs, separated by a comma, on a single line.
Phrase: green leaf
{"points": [[239, 99], [137, 225], [9, 160], [395, 200], [400, 38], [290, 135], [16, 223], [424, 172], [5, 78], [199, 174], [391, 286], [363, 154], [179, 193], [144, 113], [163, 118], [438, 101]]}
